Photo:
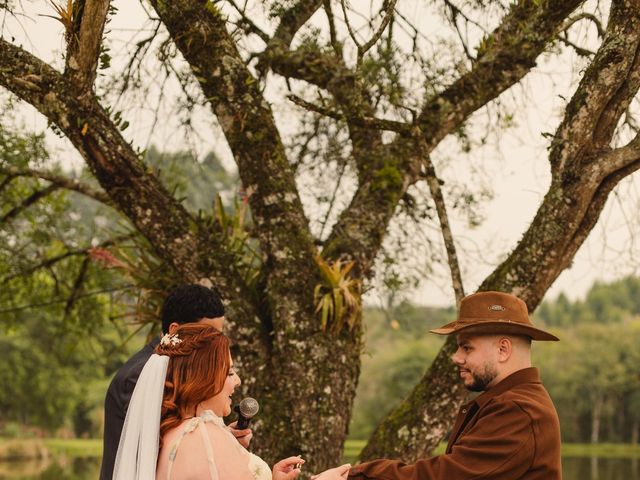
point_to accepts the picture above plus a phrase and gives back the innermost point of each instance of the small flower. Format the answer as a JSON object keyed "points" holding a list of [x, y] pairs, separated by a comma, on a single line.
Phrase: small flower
{"points": [[170, 340]]}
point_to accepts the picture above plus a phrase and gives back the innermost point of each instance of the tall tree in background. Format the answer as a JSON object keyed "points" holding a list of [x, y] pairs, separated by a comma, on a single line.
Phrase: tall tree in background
{"points": [[294, 293]]}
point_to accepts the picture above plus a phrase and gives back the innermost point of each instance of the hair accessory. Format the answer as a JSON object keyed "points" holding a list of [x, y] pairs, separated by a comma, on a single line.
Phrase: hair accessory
{"points": [[170, 340]]}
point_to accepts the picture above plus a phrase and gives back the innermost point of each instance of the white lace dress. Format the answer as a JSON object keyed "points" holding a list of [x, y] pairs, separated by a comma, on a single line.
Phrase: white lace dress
{"points": [[223, 447]]}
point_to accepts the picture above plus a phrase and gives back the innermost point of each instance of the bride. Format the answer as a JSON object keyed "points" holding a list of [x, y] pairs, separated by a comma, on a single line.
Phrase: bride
{"points": [[174, 427]]}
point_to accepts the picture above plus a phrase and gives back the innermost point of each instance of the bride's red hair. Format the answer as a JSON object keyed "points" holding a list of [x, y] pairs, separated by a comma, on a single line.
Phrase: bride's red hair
{"points": [[198, 367]]}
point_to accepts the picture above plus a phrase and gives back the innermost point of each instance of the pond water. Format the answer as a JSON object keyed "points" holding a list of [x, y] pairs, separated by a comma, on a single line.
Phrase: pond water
{"points": [[88, 469]]}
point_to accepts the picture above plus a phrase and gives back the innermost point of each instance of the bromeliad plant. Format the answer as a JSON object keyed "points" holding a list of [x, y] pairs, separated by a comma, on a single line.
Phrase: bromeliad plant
{"points": [[338, 299], [238, 240]]}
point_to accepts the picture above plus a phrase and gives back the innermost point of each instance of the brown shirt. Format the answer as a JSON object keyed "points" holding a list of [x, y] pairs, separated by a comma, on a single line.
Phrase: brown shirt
{"points": [[510, 432]]}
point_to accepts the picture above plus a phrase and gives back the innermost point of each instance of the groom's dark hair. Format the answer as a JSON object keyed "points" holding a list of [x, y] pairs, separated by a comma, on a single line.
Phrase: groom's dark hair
{"points": [[189, 303]]}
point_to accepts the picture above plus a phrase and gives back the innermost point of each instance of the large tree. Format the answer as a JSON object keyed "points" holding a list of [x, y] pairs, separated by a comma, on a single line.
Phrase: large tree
{"points": [[351, 76]]}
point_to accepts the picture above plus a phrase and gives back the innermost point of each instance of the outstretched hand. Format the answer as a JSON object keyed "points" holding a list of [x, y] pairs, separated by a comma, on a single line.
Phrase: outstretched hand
{"points": [[243, 436], [287, 469], [337, 473]]}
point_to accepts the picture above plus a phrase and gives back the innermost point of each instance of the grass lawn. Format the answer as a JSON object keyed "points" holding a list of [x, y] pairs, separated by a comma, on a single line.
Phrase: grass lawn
{"points": [[75, 447], [32, 448], [352, 448]]}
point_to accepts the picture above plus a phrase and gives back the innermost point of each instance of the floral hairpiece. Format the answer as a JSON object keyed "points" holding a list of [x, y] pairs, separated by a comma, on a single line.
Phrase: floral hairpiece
{"points": [[170, 340]]}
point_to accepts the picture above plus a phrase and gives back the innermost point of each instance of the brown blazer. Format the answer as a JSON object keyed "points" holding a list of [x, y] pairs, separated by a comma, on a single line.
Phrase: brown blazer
{"points": [[510, 432]]}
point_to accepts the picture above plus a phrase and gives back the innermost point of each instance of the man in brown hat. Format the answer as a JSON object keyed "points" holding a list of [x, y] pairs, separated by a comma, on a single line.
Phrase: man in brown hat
{"points": [[510, 431]]}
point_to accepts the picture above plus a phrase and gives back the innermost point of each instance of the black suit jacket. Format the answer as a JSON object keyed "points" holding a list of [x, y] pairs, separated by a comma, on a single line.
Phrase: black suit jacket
{"points": [[116, 404]]}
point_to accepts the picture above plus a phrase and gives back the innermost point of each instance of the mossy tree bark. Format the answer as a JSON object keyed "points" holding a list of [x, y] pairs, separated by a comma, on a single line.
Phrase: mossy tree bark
{"points": [[304, 377], [585, 169]]}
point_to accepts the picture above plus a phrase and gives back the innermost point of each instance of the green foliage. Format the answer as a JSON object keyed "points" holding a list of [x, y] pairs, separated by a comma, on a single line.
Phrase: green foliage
{"points": [[604, 303], [398, 351], [67, 302], [591, 374], [197, 182]]}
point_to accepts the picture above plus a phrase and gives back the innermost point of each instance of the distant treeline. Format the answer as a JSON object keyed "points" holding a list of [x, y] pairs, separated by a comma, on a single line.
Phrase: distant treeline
{"points": [[592, 374], [57, 368]]}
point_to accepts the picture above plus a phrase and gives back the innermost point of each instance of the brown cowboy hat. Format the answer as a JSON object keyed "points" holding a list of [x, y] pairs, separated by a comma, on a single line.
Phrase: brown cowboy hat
{"points": [[494, 312]]}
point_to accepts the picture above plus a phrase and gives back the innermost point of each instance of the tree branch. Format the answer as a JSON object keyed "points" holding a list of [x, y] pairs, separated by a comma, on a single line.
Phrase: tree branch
{"points": [[293, 19], [388, 12], [582, 16], [583, 166], [61, 181], [27, 202], [177, 239], [436, 193], [246, 119], [77, 286], [248, 25], [83, 49], [620, 158], [364, 122], [503, 59], [136, 192], [604, 94]]}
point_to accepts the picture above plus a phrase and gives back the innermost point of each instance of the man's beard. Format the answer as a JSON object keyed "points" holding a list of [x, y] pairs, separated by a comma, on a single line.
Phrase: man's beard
{"points": [[482, 380]]}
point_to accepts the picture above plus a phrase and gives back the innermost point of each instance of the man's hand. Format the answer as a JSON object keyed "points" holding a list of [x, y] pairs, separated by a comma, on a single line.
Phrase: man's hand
{"points": [[243, 436], [337, 473]]}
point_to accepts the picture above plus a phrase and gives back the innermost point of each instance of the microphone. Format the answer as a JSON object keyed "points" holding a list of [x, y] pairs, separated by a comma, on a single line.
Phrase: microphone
{"points": [[246, 410]]}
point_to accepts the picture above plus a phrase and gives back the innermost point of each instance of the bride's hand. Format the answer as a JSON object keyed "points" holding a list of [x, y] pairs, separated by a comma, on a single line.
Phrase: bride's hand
{"points": [[287, 469], [337, 473]]}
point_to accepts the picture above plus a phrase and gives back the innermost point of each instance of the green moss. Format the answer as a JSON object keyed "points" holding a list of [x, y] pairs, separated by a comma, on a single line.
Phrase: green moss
{"points": [[389, 180]]}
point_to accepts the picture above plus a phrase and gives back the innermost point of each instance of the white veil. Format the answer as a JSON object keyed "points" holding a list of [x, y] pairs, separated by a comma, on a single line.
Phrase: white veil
{"points": [[139, 442]]}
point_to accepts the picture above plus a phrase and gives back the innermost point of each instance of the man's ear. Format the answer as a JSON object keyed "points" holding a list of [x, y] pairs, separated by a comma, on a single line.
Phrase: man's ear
{"points": [[173, 327], [505, 349]]}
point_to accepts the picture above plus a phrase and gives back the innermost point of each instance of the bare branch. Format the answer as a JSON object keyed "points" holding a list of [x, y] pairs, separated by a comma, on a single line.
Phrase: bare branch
{"points": [[135, 60], [27, 202], [388, 13], [61, 181], [581, 16], [503, 59], [352, 34], [248, 25], [583, 52], [337, 47], [77, 286], [620, 158], [365, 122], [436, 193]]}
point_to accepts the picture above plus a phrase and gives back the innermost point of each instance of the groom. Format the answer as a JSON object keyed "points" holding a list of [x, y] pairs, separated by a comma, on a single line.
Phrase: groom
{"points": [[510, 431], [184, 304]]}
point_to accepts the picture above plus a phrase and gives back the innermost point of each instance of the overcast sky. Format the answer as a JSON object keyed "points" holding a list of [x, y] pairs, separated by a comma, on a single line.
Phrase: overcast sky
{"points": [[516, 169]]}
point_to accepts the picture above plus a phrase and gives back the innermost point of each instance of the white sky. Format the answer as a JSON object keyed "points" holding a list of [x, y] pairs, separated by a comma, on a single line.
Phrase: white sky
{"points": [[517, 170]]}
